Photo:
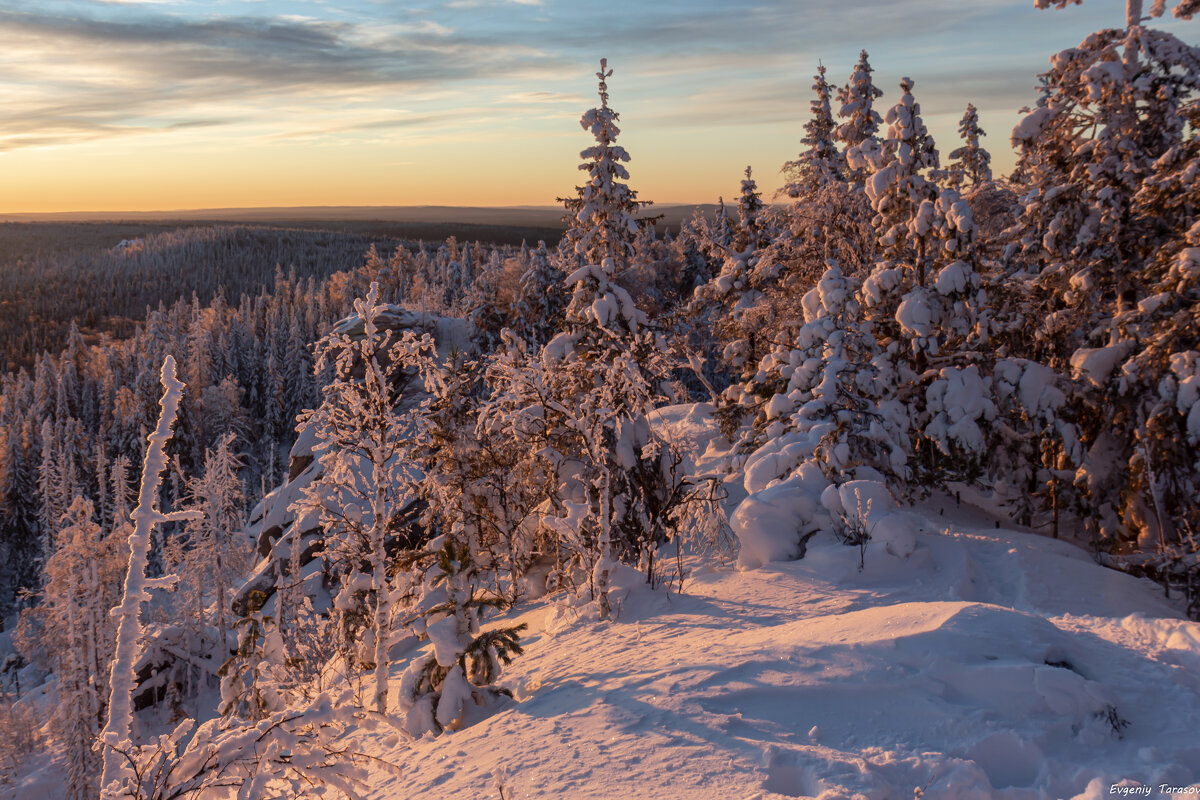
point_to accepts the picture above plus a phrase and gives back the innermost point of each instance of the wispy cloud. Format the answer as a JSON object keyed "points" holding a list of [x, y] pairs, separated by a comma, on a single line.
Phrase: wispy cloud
{"points": [[461, 4], [275, 53], [381, 123], [552, 98], [94, 72]]}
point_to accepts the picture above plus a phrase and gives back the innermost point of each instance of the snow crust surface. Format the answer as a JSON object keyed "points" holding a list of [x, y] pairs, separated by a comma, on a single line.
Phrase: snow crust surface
{"points": [[975, 667]]}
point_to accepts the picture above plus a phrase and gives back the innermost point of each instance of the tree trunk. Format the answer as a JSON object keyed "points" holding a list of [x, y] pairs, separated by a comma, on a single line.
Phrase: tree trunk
{"points": [[118, 729], [222, 627], [379, 585]]}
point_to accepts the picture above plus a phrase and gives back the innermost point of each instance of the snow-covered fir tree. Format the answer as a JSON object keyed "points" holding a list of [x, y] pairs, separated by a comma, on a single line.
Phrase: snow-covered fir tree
{"points": [[1110, 131], [856, 105], [821, 162], [970, 165], [601, 218]]}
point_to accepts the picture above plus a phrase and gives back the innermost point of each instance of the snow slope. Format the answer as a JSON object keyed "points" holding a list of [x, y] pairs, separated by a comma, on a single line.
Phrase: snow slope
{"points": [[985, 664]]}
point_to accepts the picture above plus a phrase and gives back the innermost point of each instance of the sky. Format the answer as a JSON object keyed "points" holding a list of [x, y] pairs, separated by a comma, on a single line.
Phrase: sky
{"points": [[142, 105]]}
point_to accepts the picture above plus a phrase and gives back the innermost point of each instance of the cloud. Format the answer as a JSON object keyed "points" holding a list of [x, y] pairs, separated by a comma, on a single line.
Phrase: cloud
{"points": [[389, 122], [276, 53], [765, 29], [83, 77], [547, 98], [461, 4], [35, 132], [124, 67]]}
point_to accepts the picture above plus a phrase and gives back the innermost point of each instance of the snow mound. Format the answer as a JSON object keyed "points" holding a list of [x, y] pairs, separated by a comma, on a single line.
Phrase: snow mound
{"points": [[774, 524]]}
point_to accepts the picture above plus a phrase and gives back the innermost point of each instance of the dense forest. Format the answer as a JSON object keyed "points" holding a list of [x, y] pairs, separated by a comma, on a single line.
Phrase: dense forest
{"points": [[472, 425], [117, 272]]}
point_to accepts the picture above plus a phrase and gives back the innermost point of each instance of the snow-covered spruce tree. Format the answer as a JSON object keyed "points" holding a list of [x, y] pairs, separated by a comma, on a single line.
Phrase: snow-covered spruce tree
{"points": [[696, 253], [948, 328], [924, 299], [827, 217], [732, 296], [898, 189], [856, 105], [691, 254], [437, 689], [1167, 360], [619, 489], [652, 275], [609, 363], [1034, 442], [601, 221], [58, 478], [828, 383], [585, 400], [829, 220], [899, 183], [365, 484], [720, 232], [1108, 110], [530, 430], [820, 162], [18, 494], [971, 164], [901, 196], [751, 230], [540, 299], [1093, 248]]}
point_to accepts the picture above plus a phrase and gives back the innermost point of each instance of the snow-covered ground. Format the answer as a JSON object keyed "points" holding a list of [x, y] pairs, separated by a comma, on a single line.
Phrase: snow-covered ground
{"points": [[986, 664]]}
